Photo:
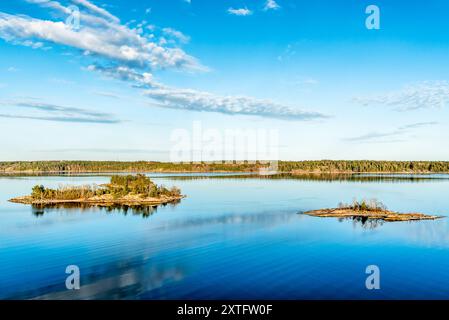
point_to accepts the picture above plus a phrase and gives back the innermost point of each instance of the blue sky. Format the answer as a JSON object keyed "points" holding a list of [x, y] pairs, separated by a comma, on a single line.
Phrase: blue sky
{"points": [[118, 86]]}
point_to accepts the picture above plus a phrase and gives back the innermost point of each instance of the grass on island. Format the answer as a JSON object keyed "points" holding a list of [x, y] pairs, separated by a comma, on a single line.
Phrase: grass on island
{"points": [[129, 188], [364, 205], [368, 209]]}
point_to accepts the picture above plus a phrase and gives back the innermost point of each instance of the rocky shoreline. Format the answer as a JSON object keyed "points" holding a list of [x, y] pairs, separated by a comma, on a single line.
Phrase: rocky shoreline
{"points": [[385, 215], [100, 200]]}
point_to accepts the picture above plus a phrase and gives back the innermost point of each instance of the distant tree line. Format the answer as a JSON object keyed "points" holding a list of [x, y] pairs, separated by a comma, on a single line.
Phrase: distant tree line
{"points": [[348, 166], [321, 166], [123, 166]]}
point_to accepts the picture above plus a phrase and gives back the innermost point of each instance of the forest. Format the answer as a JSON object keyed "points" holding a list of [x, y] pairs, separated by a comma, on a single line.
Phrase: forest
{"points": [[299, 167]]}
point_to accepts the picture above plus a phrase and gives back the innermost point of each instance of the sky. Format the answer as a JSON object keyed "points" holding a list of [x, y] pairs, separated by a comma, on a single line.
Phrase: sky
{"points": [[136, 79]]}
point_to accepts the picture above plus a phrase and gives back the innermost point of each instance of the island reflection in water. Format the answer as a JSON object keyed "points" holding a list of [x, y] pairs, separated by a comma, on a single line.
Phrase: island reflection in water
{"points": [[144, 210], [364, 222]]}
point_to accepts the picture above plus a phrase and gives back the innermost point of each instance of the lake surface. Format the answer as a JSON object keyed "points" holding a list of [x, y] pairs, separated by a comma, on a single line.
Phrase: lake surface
{"points": [[231, 238]]}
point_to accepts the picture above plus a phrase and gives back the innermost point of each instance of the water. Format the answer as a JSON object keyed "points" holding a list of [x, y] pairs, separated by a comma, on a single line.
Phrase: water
{"points": [[232, 237]]}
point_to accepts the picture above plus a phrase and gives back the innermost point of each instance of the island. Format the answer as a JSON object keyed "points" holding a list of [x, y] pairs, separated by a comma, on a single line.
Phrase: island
{"points": [[365, 210], [121, 190]]}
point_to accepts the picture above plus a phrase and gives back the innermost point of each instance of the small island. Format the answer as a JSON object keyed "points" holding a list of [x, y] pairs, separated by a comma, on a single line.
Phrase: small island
{"points": [[371, 209], [127, 190]]}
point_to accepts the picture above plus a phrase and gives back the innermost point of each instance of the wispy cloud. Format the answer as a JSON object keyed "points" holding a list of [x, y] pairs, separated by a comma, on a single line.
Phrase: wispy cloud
{"points": [[194, 100], [419, 125], [32, 44], [240, 12], [95, 9], [176, 34], [107, 94], [134, 54], [52, 112], [124, 73], [376, 137], [58, 118], [271, 5], [424, 95], [397, 135]]}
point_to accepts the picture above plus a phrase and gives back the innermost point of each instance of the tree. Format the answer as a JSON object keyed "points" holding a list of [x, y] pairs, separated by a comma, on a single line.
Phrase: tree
{"points": [[38, 192]]}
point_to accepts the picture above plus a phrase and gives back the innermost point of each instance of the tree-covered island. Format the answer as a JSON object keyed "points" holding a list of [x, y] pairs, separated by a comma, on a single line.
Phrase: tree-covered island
{"points": [[122, 189]]}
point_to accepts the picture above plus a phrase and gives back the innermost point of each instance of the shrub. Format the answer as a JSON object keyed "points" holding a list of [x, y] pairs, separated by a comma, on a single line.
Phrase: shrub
{"points": [[364, 205]]}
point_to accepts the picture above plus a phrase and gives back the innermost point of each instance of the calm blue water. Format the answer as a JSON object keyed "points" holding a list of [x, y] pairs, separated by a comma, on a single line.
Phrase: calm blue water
{"points": [[230, 238]]}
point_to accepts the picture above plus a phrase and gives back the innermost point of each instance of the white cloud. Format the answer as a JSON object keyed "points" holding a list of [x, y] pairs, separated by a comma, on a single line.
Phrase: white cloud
{"points": [[109, 40], [124, 73], [398, 135], [375, 136], [147, 10], [424, 95], [107, 94], [51, 4], [194, 100], [31, 44], [176, 34], [418, 125], [128, 54], [95, 9], [52, 112], [271, 5], [240, 12]]}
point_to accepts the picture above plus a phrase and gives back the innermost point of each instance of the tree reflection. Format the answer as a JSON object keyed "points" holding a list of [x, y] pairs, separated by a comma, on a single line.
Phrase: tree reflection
{"points": [[143, 210], [364, 222], [325, 177]]}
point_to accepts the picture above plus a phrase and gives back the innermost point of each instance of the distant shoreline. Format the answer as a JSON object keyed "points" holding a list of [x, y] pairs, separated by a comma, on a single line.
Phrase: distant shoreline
{"points": [[290, 167], [224, 171], [241, 172]]}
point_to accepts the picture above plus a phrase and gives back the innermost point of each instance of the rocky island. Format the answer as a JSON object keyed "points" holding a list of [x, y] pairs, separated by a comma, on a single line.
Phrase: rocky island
{"points": [[122, 190], [365, 210]]}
